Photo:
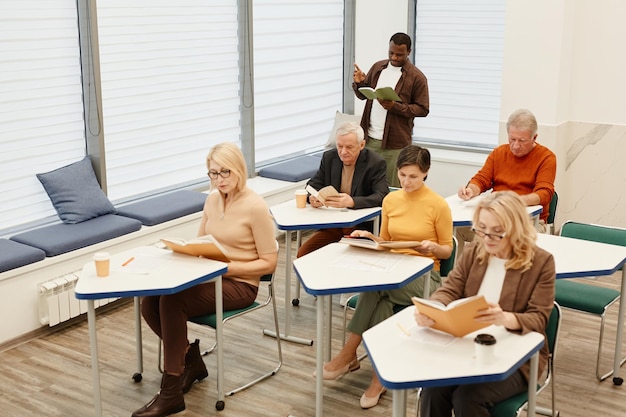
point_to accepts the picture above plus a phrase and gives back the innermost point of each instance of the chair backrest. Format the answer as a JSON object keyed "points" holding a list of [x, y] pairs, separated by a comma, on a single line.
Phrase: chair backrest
{"points": [[594, 232], [446, 265], [552, 329], [552, 208], [514, 405], [550, 227]]}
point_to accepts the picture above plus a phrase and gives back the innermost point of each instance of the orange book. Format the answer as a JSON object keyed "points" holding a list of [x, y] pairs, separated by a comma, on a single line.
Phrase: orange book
{"points": [[206, 246], [457, 318]]}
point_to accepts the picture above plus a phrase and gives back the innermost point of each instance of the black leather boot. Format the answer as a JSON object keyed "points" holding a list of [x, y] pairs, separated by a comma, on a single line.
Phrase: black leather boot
{"points": [[195, 369], [169, 399]]}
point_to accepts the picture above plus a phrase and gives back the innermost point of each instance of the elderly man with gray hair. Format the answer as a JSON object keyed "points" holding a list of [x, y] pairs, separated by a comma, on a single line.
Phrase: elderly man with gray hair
{"points": [[521, 165], [357, 173]]}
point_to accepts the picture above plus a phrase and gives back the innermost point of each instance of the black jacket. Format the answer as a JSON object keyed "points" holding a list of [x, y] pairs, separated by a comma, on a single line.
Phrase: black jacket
{"points": [[369, 184]]}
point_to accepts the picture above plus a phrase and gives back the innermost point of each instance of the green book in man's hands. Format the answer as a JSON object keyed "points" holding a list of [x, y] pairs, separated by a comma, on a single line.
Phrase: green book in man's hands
{"points": [[383, 93]]}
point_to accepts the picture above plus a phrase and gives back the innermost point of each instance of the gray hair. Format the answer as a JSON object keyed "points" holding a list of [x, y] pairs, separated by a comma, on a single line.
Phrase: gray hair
{"points": [[522, 119], [351, 127]]}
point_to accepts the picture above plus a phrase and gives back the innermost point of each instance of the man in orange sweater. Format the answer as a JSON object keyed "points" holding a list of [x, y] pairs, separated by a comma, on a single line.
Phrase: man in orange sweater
{"points": [[522, 165]]}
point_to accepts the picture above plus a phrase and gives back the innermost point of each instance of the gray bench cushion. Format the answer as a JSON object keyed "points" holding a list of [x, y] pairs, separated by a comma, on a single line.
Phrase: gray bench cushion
{"points": [[293, 170], [14, 254], [61, 238], [164, 208]]}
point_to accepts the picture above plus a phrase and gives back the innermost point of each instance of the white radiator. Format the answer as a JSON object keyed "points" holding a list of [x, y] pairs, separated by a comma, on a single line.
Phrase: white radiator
{"points": [[57, 302]]}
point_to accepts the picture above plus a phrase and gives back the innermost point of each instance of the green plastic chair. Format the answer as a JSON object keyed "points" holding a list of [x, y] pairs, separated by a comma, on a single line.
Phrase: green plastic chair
{"points": [[515, 405], [210, 320], [445, 266], [586, 298]]}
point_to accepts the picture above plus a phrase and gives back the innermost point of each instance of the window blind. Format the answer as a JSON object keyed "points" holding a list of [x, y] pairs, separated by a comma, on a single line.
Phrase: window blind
{"points": [[41, 110], [459, 47], [298, 74], [170, 90]]}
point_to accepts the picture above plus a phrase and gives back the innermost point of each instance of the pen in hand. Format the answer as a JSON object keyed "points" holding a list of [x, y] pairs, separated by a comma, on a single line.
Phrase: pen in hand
{"points": [[465, 193]]}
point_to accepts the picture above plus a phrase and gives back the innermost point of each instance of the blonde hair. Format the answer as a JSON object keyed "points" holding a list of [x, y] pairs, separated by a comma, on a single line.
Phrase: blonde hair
{"points": [[229, 156], [511, 212]]}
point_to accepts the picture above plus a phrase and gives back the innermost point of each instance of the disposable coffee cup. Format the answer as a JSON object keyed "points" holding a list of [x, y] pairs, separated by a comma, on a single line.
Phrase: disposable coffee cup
{"points": [[103, 263], [301, 198], [484, 348]]}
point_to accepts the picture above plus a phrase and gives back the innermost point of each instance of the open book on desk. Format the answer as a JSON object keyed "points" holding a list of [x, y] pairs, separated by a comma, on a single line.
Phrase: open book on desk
{"points": [[322, 194], [383, 93], [366, 242], [206, 246], [457, 318]]}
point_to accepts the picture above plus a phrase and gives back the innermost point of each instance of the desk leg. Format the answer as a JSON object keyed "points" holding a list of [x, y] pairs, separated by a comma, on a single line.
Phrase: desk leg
{"points": [[617, 379], [219, 316], [399, 402], [95, 370], [296, 300], [329, 330], [319, 363], [288, 266], [138, 338], [532, 384]]}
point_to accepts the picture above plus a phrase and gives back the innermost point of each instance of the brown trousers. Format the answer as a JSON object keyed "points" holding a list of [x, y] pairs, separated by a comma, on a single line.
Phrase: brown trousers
{"points": [[167, 315]]}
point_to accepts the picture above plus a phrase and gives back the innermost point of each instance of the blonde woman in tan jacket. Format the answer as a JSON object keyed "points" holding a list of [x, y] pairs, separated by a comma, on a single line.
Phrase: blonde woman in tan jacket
{"points": [[517, 279]]}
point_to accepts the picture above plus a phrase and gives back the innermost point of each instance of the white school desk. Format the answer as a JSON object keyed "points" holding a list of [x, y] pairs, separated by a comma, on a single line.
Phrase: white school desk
{"points": [[338, 268], [153, 271], [463, 211], [404, 361], [289, 218], [575, 258]]}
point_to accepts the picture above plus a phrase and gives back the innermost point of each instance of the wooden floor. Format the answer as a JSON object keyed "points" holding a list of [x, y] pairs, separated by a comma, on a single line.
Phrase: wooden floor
{"points": [[51, 375]]}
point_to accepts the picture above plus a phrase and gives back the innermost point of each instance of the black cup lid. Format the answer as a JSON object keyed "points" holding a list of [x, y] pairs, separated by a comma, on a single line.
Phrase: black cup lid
{"points": [[485, 339]]}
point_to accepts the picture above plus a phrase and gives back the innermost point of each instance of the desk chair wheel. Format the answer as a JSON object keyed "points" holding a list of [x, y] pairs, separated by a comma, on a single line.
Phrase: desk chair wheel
{"points": [[219, 406], [137, 377], [295, 302], [618, 380]]}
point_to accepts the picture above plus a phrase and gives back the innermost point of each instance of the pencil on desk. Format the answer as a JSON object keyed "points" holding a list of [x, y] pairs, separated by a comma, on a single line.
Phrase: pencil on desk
{"points": [[404, 330], [128, 261]]}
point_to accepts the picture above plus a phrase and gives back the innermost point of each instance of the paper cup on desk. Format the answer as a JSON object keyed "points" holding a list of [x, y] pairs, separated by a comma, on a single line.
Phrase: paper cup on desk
{"points": [[103, 263], [301, 198], [484, 348]]}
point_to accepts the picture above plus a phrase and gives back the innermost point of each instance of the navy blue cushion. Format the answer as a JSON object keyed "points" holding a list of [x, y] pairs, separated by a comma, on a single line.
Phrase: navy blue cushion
{"points": [[293, 170], [14, 254], [75, 192], [61, 238], [164, 208]]}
